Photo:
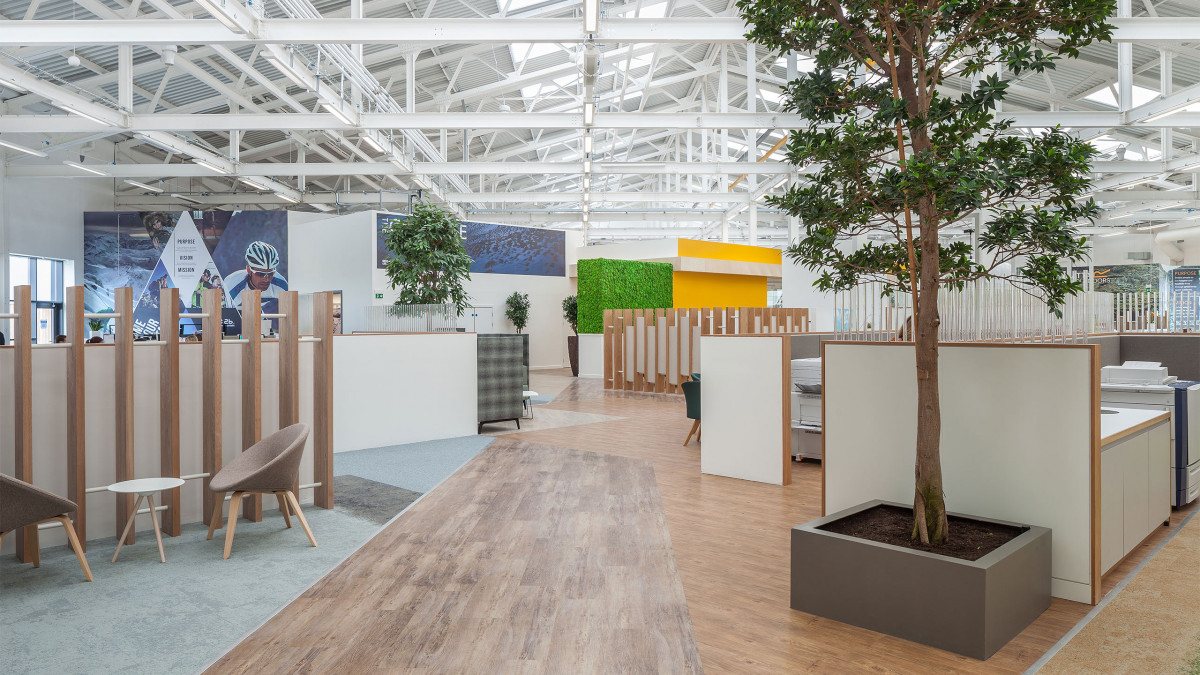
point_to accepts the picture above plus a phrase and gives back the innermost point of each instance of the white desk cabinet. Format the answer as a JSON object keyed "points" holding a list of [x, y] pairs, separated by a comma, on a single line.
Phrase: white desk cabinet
{"points": [[1135, 491]]}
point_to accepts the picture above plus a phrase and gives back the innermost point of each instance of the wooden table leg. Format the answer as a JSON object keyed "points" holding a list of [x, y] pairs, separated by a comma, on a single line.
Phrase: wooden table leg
{"points": [[129, 524], [162, 557]]}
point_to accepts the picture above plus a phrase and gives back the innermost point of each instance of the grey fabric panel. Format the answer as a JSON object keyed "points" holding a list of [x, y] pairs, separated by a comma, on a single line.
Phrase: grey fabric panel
{"points": [[808, 346], [23, 504], [502, 376], [270, 464], [1110, 349], [1179, 353]]}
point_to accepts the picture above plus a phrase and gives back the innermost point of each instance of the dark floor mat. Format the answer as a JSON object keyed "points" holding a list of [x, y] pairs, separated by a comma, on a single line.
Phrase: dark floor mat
{"points": [[365, 498]]}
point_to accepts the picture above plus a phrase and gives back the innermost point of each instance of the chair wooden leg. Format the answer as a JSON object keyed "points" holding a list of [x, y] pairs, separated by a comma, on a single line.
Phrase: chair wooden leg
{"points": [[699, 429], [235, 505], [300, 515], [132, 517], [33, 545], [74, 539], [695, 426], [283, 508], [215, 521]]}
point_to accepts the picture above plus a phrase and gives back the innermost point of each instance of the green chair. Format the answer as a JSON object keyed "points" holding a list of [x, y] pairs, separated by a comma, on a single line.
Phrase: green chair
{"points": [[691, 394]]}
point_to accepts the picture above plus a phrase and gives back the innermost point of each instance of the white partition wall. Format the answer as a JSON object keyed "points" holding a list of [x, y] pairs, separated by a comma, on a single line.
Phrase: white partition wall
{"points": [[403, 388], [746, 408], [1020, 439]]}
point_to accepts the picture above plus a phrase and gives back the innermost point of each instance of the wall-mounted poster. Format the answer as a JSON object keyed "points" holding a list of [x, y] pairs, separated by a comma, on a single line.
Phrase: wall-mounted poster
{"points": [[189, 250], [1185, 290], [499, 249], [1125, 278]]}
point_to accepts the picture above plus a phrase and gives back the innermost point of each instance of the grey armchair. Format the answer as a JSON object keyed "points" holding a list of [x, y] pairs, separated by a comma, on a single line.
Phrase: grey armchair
{"points": [[22, 505], [268, 466]]}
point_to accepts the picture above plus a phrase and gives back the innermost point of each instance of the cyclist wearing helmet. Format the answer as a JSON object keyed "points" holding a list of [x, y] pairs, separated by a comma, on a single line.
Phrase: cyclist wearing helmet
{"points": [[261, 261]]}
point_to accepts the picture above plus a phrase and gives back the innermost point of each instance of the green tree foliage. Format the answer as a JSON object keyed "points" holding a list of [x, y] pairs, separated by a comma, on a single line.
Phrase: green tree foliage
{"points": [[570, 307], [621, 284], [428, 262], [905, 140], [516, 308]]}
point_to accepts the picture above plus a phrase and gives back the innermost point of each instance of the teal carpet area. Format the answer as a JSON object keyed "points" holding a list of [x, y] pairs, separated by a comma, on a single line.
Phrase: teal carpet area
{"points": [[143, 616]]}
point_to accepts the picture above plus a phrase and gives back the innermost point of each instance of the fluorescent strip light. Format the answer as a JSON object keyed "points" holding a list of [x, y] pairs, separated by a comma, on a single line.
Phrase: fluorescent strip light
{"points": [[286, 69], [591, 15], [587, 197], [151, 188], [1113, 234], [286, 198], [256, 186], [374, 144], [13, 85], [1147, 228], [208, 165], [84, 115], [337, 112], [587, 182], [321, 207], [587, 166], [183, 198], [169, 149], [587, 143], [589, 113], [214, 9], [85, 168], [20, 148], [585, 216]]}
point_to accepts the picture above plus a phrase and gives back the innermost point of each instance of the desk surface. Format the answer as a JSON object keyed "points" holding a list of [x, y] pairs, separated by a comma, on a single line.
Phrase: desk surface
{"points": [[1127, 421]]}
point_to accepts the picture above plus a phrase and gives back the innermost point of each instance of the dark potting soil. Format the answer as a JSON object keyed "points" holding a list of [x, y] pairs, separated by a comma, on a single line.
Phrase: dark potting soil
{"points": [[968, 540]]}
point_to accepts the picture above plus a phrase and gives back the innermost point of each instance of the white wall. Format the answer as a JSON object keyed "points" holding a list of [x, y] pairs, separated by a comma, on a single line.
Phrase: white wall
{"points": [[394, 389], [1016, 438], [631, 250], [798, 291], [334, 254]]}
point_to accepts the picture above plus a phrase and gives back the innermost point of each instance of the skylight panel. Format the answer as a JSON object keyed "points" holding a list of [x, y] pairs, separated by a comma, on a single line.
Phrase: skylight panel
{"points": [[1106, 96]]}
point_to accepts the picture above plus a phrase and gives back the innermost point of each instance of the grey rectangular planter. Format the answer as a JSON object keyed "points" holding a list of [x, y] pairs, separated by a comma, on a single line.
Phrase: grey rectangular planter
{"points": [[969, 607]]}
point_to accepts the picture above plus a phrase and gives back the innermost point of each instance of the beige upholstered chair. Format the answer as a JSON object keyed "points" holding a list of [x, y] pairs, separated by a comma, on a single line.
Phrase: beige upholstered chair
{"points": [[22, 504], [268, 466]]}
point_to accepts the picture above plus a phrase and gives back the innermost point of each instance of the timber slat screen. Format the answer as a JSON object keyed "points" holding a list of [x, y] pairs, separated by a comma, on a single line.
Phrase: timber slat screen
{"points": [[660, 348]]}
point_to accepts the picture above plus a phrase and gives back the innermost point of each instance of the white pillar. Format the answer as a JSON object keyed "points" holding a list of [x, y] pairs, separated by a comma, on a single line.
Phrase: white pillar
{"points": [[751, 84], [1124, 63], [125, 77], [753, 224], [725, 228]]}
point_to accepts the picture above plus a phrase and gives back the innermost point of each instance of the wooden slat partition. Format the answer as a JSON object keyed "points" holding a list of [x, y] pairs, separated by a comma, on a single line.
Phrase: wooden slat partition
{"points": [[123, 377], [211, 388], [323, 399], [654, 350], [22, 340], [76, 419], [252, 387], [168, 402], [289, 365]]}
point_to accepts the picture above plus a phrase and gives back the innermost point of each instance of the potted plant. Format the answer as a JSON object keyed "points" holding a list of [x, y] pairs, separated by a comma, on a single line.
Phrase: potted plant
{"points": [[570, 307], [516, 308], [898, 151], [96, 326], [428, 261]]}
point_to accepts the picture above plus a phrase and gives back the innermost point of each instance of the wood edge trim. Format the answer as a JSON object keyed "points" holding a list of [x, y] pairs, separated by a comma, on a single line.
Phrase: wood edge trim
{"points": [[1094, 362], [785, 349], [1141, 426], [824, 456]]}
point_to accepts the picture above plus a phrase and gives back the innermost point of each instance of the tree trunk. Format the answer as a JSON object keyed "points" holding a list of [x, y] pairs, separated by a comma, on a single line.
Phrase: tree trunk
{"points": [[929, 507], [573, 353]]}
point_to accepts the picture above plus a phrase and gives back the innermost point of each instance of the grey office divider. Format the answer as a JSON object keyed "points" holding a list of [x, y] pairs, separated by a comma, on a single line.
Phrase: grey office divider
{"points": [[503, 374]]}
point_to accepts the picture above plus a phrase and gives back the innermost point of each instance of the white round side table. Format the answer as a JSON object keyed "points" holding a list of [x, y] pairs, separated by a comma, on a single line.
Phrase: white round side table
{"points": [[525, 402], [144, 488]]}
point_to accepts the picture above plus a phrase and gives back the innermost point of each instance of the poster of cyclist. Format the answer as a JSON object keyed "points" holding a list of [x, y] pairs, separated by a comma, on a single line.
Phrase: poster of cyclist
{"points": [[194, 251]]}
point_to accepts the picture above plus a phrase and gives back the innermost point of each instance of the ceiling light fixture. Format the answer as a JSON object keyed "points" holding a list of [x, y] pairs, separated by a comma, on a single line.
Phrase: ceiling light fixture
{"points": [[591, 16], [256, 186], [336, 111], [587, 166], [321, 207], [1146, 228], [151, 188], [169, 149], [84, 115], [587, 143], [175, 195], [216, 9], [372, 143], [287, 198], [88, 169], [20, 148], [208, 165], [1113, 234], [13, 85], [589, 113]]}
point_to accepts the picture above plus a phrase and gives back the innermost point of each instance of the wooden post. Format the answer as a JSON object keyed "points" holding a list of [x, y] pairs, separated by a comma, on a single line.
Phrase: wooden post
{"points": [[211, 387], [123, 377], [323, 399], [639, 378], [22, 340], [618, 349], [289, 365], [168, 401], [609, 347], [252, 387], [76, 420]]}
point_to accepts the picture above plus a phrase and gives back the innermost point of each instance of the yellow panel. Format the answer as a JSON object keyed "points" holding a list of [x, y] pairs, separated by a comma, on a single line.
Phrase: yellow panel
{"points": [[692, 248], [697, 289]]}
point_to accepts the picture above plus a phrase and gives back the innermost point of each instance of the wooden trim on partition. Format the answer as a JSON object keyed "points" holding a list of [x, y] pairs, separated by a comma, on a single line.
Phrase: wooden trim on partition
{"points": [[211, 328], [22, 340], [1109, 440], [252, 386], [289, 365], [123, 378], [1094, 354], [609, 328], [168, 402], [323, 400], [76, 418], [786, 348]]}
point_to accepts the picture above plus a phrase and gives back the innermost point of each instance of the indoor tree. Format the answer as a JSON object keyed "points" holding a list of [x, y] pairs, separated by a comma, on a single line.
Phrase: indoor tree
{"points": [[904, 140], [516, 308], [428, 262], [570, 308]]}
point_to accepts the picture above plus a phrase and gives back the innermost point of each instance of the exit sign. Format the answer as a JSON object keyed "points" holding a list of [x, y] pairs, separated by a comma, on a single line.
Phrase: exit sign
{"points": [[379, 296]]}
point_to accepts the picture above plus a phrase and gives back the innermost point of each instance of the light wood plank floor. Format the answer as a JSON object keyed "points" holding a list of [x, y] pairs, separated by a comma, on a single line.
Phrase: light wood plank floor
{"points": [[528, 559], [730, 541]]}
